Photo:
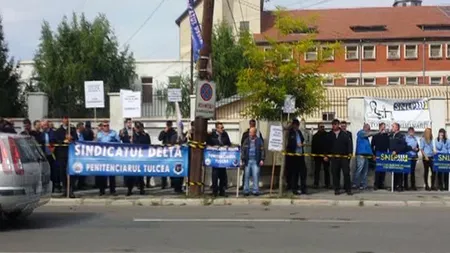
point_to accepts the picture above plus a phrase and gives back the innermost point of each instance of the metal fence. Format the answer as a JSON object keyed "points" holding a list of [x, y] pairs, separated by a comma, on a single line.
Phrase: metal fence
{"points": [[335, 104]]}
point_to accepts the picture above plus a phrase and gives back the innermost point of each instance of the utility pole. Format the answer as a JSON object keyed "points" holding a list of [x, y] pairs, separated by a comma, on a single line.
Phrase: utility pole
{"points": [[200, 124]]}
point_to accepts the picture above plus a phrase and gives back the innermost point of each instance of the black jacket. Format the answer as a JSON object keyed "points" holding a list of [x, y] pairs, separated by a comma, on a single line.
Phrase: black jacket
{"points": [[213, 139], [291, 146], [260, 152], [141, 138], [124, 136], [246, 133], [398, 144], [169, 138], [340, 145], [35, 134], [380, 143], [88, 134], [319, 142], [63, 150]]}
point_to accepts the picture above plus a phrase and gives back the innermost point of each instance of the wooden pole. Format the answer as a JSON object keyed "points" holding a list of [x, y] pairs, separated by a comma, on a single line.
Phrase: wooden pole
{"points": [[200, 123]]}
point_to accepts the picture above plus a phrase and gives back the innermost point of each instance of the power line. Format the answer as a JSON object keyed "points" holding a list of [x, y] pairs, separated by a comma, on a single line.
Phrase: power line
{"points": [[143, 24], [232, 16], [242, 13]]}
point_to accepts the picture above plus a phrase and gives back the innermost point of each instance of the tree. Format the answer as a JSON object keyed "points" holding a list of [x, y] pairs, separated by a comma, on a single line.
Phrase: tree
{"points": [[228, 60], [273, 74], [79, 51], [183, 83], [10, 86]]}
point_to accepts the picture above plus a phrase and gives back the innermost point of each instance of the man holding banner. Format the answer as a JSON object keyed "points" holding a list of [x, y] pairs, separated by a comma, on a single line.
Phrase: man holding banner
{"points": [[397, 145], [219, 137]]}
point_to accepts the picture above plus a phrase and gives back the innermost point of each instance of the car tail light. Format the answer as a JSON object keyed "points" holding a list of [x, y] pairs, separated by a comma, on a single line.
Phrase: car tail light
{"points": [[17, 164], [6, 164]]}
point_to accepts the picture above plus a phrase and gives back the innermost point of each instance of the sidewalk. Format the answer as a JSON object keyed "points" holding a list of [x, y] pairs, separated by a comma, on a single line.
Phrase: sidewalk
{"points": [[158, 197]]}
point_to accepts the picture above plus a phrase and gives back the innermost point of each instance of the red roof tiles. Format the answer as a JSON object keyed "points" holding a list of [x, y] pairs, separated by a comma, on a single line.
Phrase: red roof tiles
{"points": [[335, 24]]}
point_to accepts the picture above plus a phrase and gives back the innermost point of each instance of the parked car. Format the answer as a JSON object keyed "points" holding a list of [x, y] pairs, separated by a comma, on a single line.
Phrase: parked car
{"points": [[24, 176]]}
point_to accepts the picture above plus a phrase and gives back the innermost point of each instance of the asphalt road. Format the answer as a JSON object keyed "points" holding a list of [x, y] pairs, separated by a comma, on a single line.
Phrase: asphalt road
{"points": [[229, 229]]}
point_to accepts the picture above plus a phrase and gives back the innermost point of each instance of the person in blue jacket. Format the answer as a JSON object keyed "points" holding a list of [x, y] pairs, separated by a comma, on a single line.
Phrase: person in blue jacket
{"points": [[363, 153], [412, 142], [442, 148]]}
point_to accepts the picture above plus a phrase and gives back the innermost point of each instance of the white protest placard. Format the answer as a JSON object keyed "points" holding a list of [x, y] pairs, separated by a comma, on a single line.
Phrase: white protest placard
{"points": [[131, 103], [276, 138], [289, 104], [205, 99], [94, 95], [174, 95]]}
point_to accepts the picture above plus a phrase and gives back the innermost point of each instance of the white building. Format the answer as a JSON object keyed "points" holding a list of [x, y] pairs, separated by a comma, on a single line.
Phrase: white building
{"points": [[240, 14]]}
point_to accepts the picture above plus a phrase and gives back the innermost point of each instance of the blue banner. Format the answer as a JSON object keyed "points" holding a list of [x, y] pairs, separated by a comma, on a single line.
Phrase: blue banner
{"points": [[441, 163], [222, 157], [196, 31], [117, 159], [387, 162]]}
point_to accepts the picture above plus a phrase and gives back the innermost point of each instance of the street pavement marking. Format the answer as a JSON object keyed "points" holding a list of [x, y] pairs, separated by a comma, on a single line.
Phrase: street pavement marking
{"points": [[250, 220]]}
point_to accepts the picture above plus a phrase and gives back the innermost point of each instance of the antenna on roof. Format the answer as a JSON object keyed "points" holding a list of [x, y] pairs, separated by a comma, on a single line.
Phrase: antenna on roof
{"points": [[404, 3]]}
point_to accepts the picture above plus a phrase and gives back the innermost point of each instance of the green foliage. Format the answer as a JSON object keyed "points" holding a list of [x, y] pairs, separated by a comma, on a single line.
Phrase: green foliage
{"points": [[184, 83], [78, 51], [274, 73], [228, 60], [10, 87]]}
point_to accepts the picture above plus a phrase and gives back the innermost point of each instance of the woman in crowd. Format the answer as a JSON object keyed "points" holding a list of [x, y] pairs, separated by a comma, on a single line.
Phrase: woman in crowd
{"points": [[426, 148], [442, 147]]}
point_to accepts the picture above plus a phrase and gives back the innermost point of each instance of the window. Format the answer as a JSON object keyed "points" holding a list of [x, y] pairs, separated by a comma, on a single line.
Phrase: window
{"points": [[411, 80], [435, 27], [435, 51], [371, 28], [147, 80], [369, 81], [267, 51], [448, 51], [147, 93], [311, 55], [393, 80], [328, 116], [328, 81], [369, 52], [327, 53], [351, 52], [410, 51], [435, 80], [27, 154], [351, 81], [287, 56], [244, 26], [393, 52]]}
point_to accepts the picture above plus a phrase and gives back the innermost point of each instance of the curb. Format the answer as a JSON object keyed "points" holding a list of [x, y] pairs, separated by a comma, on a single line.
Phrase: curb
{"points": [[245, 202]]}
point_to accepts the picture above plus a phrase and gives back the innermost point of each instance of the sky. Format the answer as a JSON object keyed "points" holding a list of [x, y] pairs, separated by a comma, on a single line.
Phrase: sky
{"points": [[157, 39]]}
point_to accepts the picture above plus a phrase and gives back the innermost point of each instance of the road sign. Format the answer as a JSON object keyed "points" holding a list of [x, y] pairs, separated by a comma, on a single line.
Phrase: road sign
{"points": [[174, 95], [289, 104], [94, 95], [205, 99]]}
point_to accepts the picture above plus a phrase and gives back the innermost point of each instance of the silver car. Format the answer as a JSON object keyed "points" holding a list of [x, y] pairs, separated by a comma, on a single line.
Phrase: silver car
{"points": [[24, 176]]}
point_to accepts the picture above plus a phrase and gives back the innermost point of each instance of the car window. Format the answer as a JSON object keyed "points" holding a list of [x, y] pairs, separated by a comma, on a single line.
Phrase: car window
{"points": [[36, 149], [27, 155]]}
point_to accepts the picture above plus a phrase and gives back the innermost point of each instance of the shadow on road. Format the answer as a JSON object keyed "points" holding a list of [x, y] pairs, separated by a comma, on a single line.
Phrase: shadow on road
{"points": [[43, 220]]}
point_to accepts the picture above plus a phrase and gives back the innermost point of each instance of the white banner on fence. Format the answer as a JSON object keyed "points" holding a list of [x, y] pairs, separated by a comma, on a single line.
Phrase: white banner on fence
{"points": [[94, 95], [408, 113], [276, 138], [131, 103]]}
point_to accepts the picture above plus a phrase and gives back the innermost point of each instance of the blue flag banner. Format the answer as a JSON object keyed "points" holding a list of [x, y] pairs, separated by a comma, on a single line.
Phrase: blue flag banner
{"points": [[196, 31], [222, 157], [387, 162], [117, 159], [441, 163]]}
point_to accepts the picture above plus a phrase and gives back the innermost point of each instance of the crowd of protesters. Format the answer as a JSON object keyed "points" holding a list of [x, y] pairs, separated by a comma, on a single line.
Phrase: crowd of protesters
{"points": [[330, 150]]}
